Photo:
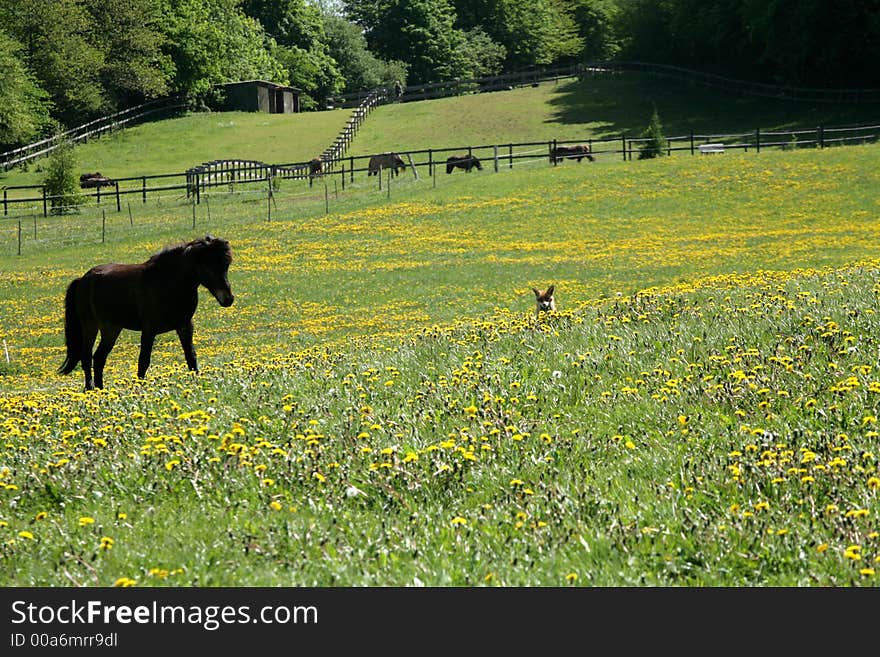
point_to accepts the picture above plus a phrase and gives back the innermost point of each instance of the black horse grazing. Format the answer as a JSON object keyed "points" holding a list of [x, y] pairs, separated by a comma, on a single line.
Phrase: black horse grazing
{"points": [[576, 152], [466, 162], [315, 167], [153, 297], [391, 161]]}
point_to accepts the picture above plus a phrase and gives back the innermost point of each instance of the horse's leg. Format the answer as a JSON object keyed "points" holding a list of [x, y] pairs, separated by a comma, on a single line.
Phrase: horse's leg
{"points": [[90, 332], [185, 333], [147, 339], [108, 339]]}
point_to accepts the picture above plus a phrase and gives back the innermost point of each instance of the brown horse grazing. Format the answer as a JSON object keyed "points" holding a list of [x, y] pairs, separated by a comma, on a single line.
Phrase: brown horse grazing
{"points": [[315, 166], [466, 162], [576, 152], [153, 297], [391, 161]]}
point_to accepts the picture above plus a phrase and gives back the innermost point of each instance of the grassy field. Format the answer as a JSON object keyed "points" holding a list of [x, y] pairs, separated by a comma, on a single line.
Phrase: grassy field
{"points": [[565, 109], [590, 109], [380, 406]]}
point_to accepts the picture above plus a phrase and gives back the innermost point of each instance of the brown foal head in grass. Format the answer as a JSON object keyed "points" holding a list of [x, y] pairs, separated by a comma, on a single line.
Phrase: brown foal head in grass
{"points": [[544, 300]]}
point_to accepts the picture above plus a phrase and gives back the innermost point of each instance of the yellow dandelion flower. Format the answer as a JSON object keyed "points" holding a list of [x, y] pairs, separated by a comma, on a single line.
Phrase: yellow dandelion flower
{"points": [[41, 515], [821, 548], [85, 521], [106, 543], [853, 552], [125, 582], [275, 505], [571, 578], [26, 534], [866, 572], [458, 520]]}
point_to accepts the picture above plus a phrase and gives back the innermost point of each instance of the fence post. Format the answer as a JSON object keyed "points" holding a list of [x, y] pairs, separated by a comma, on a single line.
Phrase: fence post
{"points": [[623, 141], [144, 187], [130, 220], [103, 225], [326, 199], [45, 208], [692, 142], [495, 147], [552, 148], [757, 140], [5, 209], [510, 155], [820, 136], [351, 163], [118, 204], [19, 237], [430, 162], [342, 177]]}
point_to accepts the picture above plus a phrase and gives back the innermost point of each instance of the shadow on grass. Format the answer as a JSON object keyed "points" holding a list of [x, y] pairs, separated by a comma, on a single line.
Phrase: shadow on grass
{"points": [[624, 102]]}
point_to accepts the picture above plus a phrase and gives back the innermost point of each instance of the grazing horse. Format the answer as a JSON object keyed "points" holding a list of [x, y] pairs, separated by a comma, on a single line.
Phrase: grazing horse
{"points": [[576, 152], [88, 180], [391, 161], [153, 297], [315, 167], [466, 162]]}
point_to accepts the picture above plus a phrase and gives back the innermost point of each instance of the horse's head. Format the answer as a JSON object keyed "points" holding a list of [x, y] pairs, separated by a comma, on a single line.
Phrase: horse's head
{"points": [[211, 258], [477, 164]]}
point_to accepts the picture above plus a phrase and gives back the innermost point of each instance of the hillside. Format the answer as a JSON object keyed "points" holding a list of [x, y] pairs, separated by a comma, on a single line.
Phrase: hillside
{"points": [[566, 109]]}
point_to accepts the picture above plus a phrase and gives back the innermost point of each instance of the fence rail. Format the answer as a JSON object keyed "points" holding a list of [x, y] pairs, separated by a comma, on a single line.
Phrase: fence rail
{"points": [[84, 132], [598, 68], [230, 176]]}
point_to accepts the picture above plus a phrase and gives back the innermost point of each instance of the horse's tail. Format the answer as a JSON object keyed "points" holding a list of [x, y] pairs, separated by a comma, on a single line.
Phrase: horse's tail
{"points": [[72, 330]]}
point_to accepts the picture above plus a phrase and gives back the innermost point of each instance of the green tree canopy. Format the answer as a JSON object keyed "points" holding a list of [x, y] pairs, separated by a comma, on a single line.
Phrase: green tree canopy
{"points": [[359, 67], [24, 105], [213, 41]]}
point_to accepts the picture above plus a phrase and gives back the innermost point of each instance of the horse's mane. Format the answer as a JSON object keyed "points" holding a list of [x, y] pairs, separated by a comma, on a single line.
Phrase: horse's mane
{"points": [[175, 251]]}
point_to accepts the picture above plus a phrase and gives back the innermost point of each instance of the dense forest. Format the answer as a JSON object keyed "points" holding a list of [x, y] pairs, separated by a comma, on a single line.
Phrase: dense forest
{"points": [[63, 62]]}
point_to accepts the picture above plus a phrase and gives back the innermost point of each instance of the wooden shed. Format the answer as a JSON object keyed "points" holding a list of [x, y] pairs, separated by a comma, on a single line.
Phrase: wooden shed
{"points": [[260, 96]]}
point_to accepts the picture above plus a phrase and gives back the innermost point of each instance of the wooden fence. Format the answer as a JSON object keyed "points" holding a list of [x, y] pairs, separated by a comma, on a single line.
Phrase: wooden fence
{"points": [[168, 106], [231, 176], [599, 68]]}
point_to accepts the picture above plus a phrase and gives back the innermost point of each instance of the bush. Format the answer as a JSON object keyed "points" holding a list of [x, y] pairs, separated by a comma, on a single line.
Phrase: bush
{"points": [[656, 144], [61, 181]]}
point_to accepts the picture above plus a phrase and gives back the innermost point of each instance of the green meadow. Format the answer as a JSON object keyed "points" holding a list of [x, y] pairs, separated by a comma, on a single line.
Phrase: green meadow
{"points": [[381, 406]]}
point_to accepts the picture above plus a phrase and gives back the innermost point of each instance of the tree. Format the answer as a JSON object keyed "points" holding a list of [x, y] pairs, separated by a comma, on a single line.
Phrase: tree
{"points": [[540, 32], [298, 29], [595, 26], [420, 33], [129, 35], [359, 67], [61, 182], [58, 49], [24, 105], [655, 146], [484, 56], [212, 42]]}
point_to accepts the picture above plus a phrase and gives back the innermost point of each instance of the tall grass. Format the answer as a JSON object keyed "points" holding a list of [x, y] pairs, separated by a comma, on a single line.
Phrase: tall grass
{"points": [[380, 405]]}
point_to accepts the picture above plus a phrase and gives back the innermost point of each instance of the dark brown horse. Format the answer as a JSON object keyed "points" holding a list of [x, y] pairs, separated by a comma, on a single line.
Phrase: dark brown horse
{"points": [[315, 167], [88, 180], [153, 297], [576, 152], [381, 161], [466, 162]]}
